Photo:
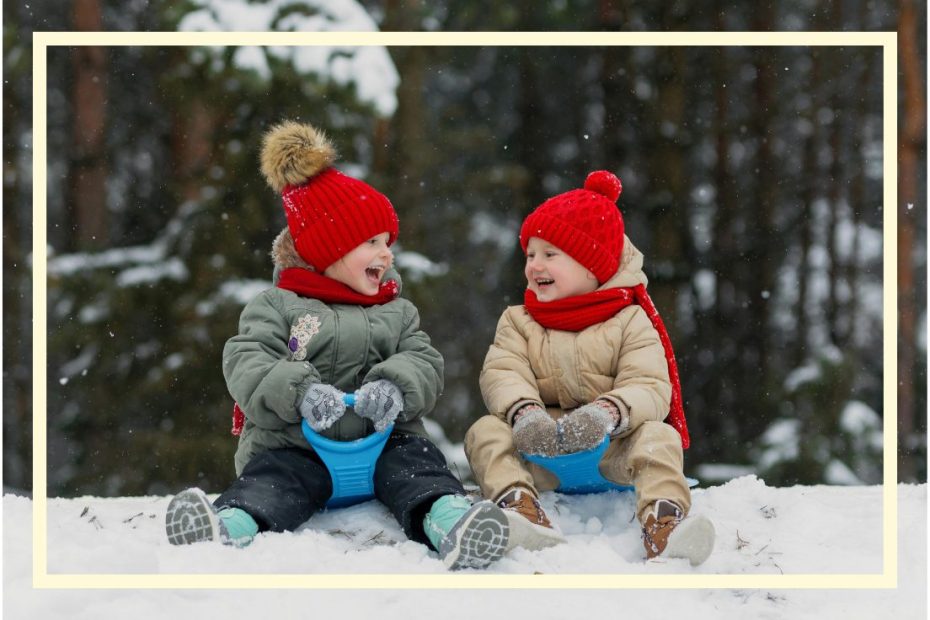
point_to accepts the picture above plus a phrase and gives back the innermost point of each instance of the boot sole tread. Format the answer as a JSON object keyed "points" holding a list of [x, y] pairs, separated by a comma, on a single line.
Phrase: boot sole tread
{"points": [[190, 518], [692, 540], [478, 540]]}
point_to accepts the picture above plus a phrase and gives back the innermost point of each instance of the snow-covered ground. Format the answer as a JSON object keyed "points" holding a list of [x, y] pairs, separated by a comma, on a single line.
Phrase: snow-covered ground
{"points": [[761, 530]]}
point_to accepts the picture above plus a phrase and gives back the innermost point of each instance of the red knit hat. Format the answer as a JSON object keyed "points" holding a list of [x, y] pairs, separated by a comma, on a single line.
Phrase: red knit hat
{"points": [[328, 213], [585, 223]]}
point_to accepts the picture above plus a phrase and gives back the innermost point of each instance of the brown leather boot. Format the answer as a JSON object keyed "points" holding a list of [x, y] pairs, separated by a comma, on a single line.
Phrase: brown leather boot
{"points": [[530, 528], [667, 533]]}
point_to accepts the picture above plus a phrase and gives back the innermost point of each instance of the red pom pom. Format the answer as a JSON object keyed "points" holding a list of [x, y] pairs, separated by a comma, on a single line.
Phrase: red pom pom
{"points": [[604, 183]]}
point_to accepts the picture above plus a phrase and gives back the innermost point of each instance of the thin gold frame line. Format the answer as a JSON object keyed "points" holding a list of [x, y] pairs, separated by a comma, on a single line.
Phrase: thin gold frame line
{"points": [[887, 40]]}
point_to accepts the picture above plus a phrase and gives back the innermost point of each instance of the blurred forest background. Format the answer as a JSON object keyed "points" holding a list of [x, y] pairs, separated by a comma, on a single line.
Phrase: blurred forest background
{"points": [[752, 182]]}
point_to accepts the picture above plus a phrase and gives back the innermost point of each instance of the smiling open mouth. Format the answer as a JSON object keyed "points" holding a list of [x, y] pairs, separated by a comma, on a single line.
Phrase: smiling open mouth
{"points": [[374, 273], [544, 282]]}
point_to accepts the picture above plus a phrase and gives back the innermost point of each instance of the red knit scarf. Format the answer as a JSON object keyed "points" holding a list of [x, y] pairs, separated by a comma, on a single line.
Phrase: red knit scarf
{"points": [[311, 284], [579, 312]]}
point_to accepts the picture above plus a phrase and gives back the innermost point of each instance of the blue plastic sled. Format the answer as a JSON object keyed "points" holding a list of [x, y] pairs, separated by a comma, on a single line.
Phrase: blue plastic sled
{"points": [[351, 463], [578, 473]]}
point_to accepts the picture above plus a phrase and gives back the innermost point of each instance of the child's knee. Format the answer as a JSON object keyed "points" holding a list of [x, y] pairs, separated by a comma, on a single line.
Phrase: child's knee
{"points": [[660, 433], [485, 427]]}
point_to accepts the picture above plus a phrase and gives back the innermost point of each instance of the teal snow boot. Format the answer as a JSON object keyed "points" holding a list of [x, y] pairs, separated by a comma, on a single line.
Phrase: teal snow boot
{"points": [[467, 535], [191, 518]]}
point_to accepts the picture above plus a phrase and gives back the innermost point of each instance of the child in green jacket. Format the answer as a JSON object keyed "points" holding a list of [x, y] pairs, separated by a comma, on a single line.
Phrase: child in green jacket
{"points": [[334, 324]]}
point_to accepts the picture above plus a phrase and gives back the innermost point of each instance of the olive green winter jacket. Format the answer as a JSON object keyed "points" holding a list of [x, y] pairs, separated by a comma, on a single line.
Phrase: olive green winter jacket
{"points": [[341, 345]]}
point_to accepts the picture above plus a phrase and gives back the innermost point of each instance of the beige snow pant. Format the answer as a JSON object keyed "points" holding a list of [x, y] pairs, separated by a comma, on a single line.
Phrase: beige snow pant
{"points": [[650, 458]]}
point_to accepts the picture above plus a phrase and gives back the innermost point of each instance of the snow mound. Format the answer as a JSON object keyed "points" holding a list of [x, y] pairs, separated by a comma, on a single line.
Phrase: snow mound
{"points": [[761, 530]]}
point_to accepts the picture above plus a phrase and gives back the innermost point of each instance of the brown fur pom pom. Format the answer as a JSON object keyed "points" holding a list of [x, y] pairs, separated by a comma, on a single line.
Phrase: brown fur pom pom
{"points": [[293, 152]]}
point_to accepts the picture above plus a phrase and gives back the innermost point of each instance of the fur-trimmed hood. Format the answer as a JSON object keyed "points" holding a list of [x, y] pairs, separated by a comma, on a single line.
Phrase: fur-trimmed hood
{"points": [[284, 254], [630, 272]]}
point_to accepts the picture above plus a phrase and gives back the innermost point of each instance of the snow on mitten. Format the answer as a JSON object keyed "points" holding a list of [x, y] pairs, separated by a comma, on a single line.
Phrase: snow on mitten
{"points": [[321, 406], [380, 401], [585, 427], [535, 432]]}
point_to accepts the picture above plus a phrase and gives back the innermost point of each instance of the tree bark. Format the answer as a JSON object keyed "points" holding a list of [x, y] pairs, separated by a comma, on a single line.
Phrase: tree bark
{"points": [[757, 263], [835, 195], [410, 148], [910, 141], [617, 72], [192, 144], [805, 225], [17, 295], [87, 179], [722, 386], [857, 204], [760, 274], [834, 201], [667, 162]]}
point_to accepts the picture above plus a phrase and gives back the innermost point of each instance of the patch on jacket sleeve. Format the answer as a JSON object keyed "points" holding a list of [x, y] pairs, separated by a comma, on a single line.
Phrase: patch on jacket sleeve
{"points": [[306, 328]]}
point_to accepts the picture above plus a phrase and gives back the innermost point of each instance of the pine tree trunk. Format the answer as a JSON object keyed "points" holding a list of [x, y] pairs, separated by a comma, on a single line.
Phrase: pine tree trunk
{"points": [[810, 182], [86, 200], [722, 389], [17, 306], [410, 149], [530, 163], [857, 204], [835, 197], [192, 144], [667, 250], [760, 280], [617, 73], [911, 140], [761, 249]]}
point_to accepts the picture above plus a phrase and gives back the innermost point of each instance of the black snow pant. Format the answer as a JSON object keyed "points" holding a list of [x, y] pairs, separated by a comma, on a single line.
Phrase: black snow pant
{"points": [[282, 488]]}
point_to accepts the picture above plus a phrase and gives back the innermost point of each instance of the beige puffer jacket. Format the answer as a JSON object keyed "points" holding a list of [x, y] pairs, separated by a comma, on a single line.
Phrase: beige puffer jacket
{"points": [[621, 360]]}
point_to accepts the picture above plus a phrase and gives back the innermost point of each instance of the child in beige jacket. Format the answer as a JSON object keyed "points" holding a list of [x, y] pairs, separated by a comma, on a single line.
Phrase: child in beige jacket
{"points": [[585, 356]]}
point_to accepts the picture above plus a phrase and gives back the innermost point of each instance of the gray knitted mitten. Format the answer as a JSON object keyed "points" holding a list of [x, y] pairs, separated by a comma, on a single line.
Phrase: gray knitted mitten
{"points": [[535, 432], [321, 406], [380, 401], [584, 428]]}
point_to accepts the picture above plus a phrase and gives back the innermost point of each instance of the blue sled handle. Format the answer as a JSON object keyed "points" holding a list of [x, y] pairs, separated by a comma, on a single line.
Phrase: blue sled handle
{"points": [[351, 464], [578, 472]]}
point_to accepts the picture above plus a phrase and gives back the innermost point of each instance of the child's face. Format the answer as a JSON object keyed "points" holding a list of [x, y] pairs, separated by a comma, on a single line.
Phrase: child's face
{"points": [[362, 268], [552, 274]]}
